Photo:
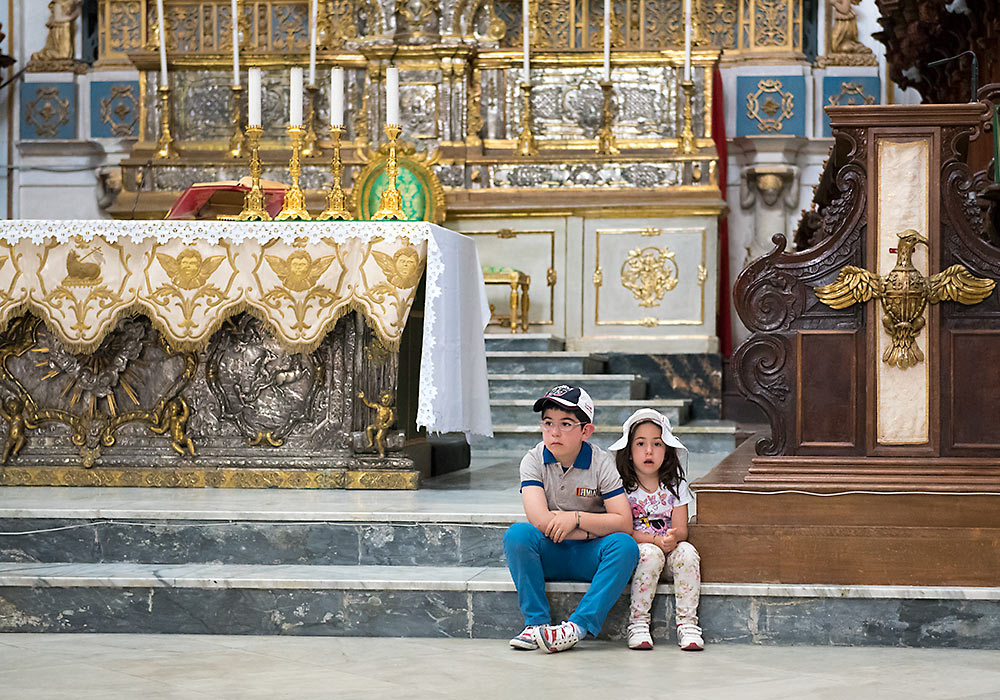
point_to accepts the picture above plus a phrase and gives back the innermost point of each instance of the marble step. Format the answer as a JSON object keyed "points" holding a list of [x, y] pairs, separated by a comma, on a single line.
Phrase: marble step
{"points": [[544, 362], [702, 436], [427, 540], [524, 342], [599, 386], [514, 411], [466, 602]]}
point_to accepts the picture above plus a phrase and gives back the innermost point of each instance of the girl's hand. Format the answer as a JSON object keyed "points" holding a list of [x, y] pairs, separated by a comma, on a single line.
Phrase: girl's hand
{"points": [[667, 542], [561, 525]]}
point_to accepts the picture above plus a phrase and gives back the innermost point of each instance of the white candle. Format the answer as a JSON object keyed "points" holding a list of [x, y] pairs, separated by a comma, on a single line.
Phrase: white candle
{"points": [[607, 40], [336, 97], [295, 97], [163, 43], [392, 95], [687, 39], [526, 12], [253, 97], [312, 42], [236, 44]]}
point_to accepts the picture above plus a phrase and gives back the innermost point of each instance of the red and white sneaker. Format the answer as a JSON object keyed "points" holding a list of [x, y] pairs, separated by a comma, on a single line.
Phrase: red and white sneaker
{"points": [[638, 636], [555, 638], [689, 637], [525, 640]]}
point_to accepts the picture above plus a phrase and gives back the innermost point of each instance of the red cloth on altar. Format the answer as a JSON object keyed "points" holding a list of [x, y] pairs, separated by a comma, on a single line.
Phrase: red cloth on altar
{"points": [[209, 200]]}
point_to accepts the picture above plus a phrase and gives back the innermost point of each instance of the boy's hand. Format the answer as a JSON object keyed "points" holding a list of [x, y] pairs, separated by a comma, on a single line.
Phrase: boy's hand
{"points": [[561, 525], [667, 542]]}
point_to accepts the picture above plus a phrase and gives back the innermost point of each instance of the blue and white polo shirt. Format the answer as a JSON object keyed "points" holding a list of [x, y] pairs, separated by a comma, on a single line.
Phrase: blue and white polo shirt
{"points": [[592, 479]]}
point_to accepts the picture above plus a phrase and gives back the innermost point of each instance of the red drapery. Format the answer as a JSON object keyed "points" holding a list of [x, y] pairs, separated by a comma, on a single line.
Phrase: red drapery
{"points": [[724, 316]]}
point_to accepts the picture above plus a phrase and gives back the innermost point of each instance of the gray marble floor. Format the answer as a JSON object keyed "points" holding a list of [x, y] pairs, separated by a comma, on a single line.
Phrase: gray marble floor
{"points": [[160, 667]]}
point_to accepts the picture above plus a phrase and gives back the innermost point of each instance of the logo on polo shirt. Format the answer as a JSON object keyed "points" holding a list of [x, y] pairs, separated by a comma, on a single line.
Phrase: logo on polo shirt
{"points": [[586, 493]]}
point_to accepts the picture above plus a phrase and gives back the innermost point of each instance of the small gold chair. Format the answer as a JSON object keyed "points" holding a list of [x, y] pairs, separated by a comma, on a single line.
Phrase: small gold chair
{"points": [[519, 283]]}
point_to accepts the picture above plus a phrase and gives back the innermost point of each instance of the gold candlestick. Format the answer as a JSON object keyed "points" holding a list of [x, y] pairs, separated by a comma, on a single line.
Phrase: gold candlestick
{"points": [[295, 199], [165, 146], [688, 144], [253, 202], [526, 145], [311, 144], [237, 141], [336, 200], [390, 205], [606, 144]]}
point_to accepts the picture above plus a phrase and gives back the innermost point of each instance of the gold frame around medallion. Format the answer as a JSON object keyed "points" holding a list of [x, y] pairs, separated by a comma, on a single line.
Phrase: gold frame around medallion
{"points": [[419, 164]]}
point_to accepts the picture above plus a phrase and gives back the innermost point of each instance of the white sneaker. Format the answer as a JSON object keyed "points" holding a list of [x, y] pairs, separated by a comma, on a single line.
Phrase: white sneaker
{"points": [[555, 638], [689, 637], [638, 636], [526, 640]]}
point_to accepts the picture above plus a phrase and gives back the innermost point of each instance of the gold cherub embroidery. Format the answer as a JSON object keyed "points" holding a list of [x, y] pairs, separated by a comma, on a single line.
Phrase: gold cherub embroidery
{"points": [[299, 272], [189, 270], [403, 269]]}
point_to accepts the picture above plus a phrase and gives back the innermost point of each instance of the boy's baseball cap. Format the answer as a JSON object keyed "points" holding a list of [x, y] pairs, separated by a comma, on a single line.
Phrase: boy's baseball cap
{"points": [[652, 416], [570, 397]]}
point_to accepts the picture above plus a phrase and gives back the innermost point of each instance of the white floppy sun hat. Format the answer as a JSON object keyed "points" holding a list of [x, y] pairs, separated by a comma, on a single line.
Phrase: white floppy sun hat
{"points": [[650, 415]]}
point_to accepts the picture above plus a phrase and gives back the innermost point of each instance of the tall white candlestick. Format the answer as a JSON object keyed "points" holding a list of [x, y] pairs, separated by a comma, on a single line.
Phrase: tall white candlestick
{"points": [[526, 12], [607, 40], [336, 97], [253, 97], [295, 98], [392, 95], [687, 39], [163, 42], [313, 31], [236, 44]]}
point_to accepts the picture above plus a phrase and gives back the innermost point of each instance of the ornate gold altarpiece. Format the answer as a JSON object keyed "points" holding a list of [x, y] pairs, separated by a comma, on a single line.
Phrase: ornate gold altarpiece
{"points": [[228, 354]]}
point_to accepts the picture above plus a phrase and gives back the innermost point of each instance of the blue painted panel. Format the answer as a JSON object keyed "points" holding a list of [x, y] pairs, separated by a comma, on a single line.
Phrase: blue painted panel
{"points": [[771, 105], [48, 111], [114, 109], [849, 90]]}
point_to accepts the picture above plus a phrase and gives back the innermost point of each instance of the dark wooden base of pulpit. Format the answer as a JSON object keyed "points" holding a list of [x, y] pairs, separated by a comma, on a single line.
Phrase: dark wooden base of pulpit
{"points": [[849, 521]]}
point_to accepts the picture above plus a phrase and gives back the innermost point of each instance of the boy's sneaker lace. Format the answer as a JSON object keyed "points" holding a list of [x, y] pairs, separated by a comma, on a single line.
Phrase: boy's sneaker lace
{"points": [[638, 636], [555, 638], [526, 640], [689, 637]]}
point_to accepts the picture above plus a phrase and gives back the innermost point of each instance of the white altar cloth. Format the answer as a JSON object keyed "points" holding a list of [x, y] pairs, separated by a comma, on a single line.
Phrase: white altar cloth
{"points": [[454, 392]]}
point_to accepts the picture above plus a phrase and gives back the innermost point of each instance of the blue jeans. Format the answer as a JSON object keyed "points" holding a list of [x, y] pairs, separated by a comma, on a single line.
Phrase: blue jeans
{"points": [[533, 559]]}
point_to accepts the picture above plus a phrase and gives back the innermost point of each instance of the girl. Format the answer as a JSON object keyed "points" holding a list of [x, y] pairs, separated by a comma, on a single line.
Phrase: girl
{"points": [[651, 462]]}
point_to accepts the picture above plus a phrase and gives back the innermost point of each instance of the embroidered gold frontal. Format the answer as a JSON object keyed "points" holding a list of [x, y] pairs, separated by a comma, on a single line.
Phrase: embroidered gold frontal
{"points": [[81, 285]]}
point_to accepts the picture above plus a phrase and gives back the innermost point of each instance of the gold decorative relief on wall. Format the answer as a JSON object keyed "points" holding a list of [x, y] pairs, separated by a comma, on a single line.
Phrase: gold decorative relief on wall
{"points": [[769, 105], [649, 274]]}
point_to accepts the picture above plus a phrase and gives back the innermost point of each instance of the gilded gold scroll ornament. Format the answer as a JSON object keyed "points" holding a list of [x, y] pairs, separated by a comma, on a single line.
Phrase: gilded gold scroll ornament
{"points": [[904, 293], [385, 416], [773, 102], [646, 273]]}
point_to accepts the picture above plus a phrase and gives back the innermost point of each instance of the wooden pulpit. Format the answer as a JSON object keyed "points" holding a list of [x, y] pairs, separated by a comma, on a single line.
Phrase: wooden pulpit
{"points": [[874, 354]]}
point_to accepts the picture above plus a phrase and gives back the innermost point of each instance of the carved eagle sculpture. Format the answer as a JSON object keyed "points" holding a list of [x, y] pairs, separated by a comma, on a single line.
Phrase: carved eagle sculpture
{"points": [[904, 293]]}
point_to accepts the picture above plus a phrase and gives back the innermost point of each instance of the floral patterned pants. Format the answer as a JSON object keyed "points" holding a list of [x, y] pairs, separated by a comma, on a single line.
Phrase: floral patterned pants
{"points": [[685, 567]]}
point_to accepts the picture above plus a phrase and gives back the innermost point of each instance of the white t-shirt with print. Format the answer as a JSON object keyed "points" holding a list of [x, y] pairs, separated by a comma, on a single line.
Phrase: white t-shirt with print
{"points": [[651, 511]]}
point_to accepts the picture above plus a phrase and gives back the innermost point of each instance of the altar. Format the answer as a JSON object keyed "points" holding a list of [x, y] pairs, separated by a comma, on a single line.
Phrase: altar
{"points": [[234, 354]]}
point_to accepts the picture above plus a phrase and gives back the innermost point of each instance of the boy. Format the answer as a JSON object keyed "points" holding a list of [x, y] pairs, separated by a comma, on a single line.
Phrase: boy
{"points": [[578, 517]]}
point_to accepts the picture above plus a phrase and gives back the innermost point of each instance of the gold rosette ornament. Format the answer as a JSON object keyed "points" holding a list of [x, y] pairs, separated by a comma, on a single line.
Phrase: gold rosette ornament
{"points": [[904, 292]]}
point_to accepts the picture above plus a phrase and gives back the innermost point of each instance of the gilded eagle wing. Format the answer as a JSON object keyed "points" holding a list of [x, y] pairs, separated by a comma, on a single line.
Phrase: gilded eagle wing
{"points": [[318, 267], [956, 283], [853, 285], [169, 265], [208, 266], [279, 266]]}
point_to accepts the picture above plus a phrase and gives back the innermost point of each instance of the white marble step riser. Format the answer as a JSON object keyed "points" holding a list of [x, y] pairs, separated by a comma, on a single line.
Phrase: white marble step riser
{"points": [[599, 389], [554, 365], [515, 415]]}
